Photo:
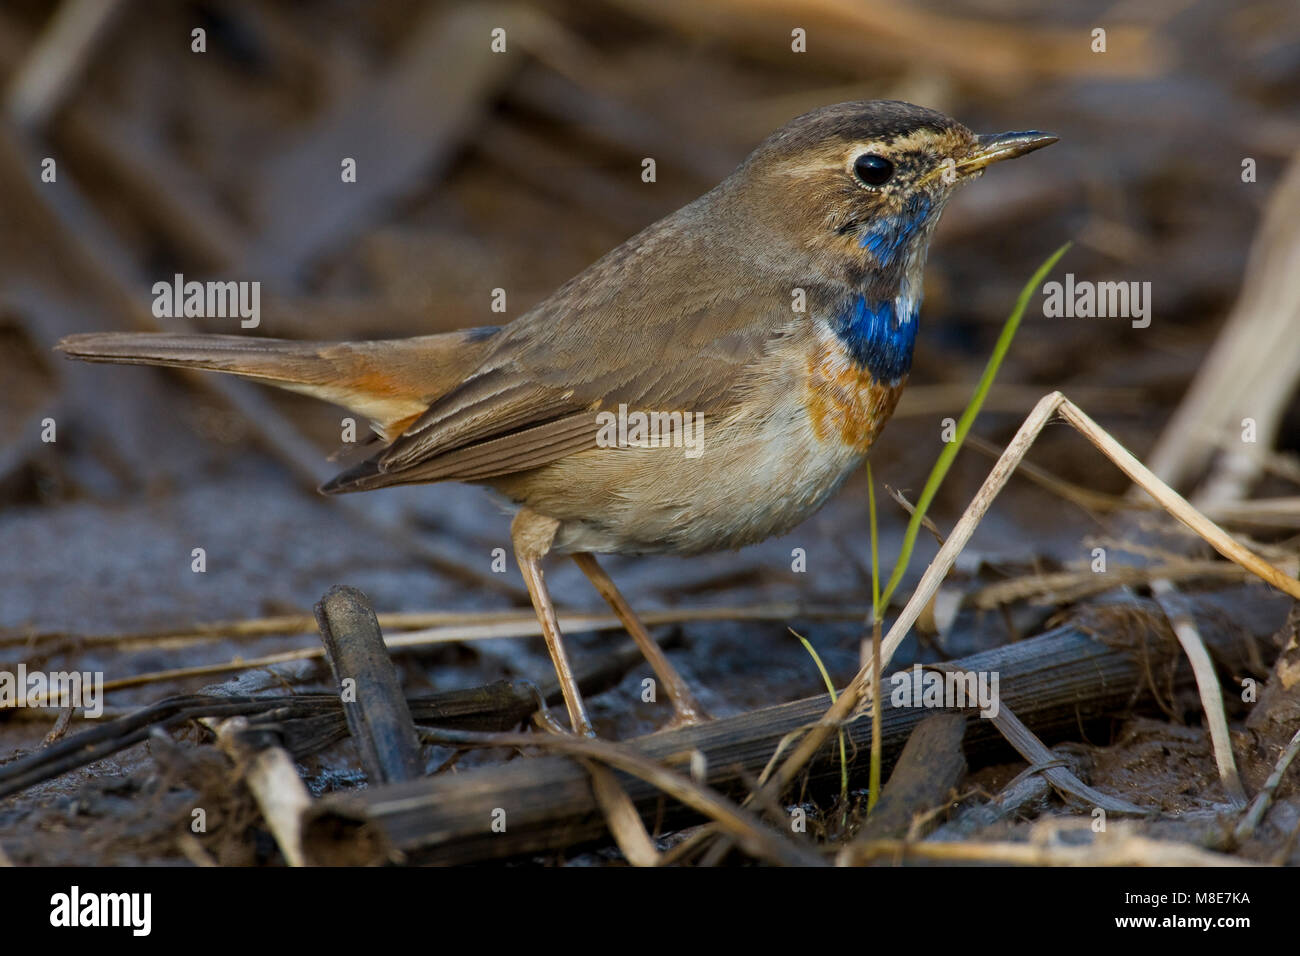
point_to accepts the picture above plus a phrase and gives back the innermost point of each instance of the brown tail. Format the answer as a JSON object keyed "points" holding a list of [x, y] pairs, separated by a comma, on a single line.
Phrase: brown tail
{"points": [[391, 382]]}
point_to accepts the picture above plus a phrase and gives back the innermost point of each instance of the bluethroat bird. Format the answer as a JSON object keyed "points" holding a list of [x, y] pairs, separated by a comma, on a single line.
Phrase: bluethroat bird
{"points": [[779, 310]]}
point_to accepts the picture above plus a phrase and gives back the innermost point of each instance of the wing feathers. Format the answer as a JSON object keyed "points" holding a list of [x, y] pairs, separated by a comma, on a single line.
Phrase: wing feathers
{"points": [[518, 451]]}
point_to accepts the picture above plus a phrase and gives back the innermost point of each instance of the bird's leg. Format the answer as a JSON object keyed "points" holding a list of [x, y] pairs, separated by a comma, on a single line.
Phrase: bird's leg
{"points": [[686, 707], [532, 535]]}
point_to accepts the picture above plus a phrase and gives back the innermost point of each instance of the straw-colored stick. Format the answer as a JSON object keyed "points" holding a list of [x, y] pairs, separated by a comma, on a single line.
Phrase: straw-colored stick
{"points": [[851, 700]]}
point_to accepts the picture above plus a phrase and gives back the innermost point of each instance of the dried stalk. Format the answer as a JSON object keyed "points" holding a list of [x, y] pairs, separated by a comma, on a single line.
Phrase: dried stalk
{"points": [[859, 690]]}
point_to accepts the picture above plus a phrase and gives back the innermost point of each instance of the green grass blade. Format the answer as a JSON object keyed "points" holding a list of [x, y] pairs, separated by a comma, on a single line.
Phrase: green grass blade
{"points": [[875, 544], [949, 453], [844, 754]]}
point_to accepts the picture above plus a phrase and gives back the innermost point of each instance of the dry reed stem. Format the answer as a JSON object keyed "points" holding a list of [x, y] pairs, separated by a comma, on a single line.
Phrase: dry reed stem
{"points": [[851, 700], [749, 832], [274, 782], [1259, 806], [291, 624]]}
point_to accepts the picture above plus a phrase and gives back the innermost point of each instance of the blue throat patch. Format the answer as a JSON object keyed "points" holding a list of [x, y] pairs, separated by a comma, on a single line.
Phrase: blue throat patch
{"points": [[892, 234], [876, 339]]}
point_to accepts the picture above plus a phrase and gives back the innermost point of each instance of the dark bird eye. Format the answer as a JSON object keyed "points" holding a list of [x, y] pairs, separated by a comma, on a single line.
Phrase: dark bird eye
{"points": [[872, 169]]}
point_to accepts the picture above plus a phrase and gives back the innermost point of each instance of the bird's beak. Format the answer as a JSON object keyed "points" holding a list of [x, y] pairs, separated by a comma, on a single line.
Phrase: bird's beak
{"points": [[994, 147]]}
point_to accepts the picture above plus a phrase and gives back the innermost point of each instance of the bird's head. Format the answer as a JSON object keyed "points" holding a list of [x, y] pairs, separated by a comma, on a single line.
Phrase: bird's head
{"points": [[848, 197], [861, 185]]}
